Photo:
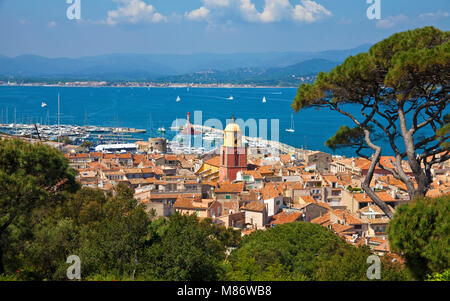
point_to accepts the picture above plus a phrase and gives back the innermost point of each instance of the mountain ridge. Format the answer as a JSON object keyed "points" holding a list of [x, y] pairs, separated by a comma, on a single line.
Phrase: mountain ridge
{"points": [[149, 67]]}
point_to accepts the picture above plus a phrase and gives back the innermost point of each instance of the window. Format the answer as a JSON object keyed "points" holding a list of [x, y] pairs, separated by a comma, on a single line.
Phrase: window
{"points": [[228, 197]]}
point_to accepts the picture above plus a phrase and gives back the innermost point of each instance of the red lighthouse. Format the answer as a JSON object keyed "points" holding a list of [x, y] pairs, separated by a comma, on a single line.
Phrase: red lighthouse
{"points": [[233, 156]]}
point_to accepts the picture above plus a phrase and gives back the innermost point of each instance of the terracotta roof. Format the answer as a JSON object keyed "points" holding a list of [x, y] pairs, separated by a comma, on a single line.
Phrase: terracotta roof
{"points": [[251, 195], [254, 206], [285, 217], [254, 173], [227, 187], [192, 203], [338, 228], [265, 169], [172, 195], [213, 161], [371, 208], [324, 205], [390, 180], [330, 178], [171, 158], [321, 219], [272, 190], [285, 158], [293, 185], [383, 247], [342, 215], [378, 221], [363, 197], [438, 192], [77, 156], [350, 219], [96, 155], [307, 199]]}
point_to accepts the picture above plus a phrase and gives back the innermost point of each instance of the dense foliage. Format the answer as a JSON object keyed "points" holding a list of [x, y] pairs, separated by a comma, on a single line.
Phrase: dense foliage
{"points": [[303, 251], [32, 178], [421, 232]]}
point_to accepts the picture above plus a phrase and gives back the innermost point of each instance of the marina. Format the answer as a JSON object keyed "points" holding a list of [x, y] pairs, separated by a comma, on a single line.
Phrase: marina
{"points": [[77, 134]]}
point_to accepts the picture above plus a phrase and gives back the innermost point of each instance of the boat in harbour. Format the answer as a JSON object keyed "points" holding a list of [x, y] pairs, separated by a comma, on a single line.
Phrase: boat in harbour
{"points": [[291, 129]]}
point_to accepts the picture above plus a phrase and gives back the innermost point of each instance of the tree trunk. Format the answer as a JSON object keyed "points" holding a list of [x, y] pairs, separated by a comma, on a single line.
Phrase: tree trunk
{"points": [[368, 179], [423, 183]]}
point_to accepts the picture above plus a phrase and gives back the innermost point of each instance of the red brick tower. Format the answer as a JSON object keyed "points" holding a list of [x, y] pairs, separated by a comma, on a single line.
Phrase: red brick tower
{"points": [[233, 156]]}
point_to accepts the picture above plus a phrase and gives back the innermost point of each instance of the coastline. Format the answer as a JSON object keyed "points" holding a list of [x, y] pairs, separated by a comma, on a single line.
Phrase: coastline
{"points": [[153, 86]]}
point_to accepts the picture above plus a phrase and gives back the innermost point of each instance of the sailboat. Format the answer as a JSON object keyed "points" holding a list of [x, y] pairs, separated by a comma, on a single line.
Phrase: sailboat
{"points": [[264, 99], [291, 129], [178, 99], [176, 127], [230, 98], [43, 105]]}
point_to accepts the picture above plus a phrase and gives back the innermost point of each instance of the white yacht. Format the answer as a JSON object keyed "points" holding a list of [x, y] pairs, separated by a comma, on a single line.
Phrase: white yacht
{"points": [[291, 129]]}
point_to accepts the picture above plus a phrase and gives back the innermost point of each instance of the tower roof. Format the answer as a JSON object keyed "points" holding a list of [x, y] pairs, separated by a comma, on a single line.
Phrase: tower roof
{"points": [[232, 127]]}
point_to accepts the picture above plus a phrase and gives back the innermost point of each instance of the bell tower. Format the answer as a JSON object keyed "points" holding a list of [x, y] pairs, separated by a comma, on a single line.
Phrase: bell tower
{"points": [[233, 156]]}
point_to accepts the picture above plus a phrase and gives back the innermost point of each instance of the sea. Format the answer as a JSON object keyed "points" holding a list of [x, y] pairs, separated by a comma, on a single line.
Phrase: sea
{"points": [[152, 108]]}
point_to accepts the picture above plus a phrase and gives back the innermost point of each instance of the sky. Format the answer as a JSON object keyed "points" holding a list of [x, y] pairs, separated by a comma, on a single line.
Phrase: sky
{"points": [[41, 27]]}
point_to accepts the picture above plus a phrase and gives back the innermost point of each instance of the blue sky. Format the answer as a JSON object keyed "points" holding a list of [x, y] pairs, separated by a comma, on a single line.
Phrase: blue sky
{"points": [[198, 26]]}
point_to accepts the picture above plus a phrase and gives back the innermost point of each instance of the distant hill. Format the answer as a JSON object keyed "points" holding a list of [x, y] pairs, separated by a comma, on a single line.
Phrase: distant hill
{"points": [[283, 76], [148, 67]]}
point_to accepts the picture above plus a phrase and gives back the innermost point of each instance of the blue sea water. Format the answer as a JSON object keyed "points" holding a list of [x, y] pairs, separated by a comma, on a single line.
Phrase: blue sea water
{"points": [[152, 108]]}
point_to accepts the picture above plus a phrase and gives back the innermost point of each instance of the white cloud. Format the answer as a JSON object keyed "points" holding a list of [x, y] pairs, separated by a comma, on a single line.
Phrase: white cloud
{"points": [[310, 11], [217, 3], [52, 24], [392, 21], [134, 11], [276, 10], [198, 14], [434, 16], [273, 11]]}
